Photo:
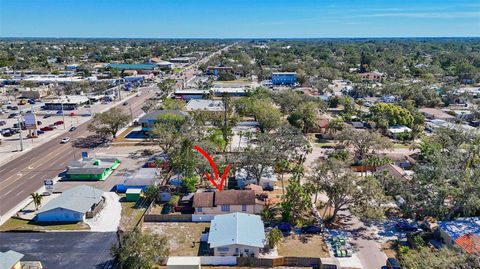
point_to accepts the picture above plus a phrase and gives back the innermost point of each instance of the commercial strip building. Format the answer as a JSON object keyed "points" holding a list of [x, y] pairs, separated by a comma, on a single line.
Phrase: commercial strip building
{"points": [[284, 78], [205, 105], [149, 119], [189, 94], [92, 168], [236, 234], [138, 67], [73, 205], [67, 102]]}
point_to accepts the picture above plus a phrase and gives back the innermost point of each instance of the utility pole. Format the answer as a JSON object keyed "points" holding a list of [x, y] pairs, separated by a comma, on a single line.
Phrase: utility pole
{"points": [[63, 115], [20, 126]]}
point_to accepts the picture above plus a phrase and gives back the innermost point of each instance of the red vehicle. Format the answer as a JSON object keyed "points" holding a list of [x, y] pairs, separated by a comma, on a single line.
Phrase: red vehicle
{"points": [[72, 114], [46, 128], [58, 122]]}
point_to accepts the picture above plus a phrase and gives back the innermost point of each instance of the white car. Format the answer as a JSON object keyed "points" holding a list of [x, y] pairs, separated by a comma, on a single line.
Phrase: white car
{"points": [[65, 140]]}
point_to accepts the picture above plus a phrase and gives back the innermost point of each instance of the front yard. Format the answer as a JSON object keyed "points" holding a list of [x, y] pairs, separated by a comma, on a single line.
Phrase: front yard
{"points": [[183, 237], [14, 224], [303, 246]]}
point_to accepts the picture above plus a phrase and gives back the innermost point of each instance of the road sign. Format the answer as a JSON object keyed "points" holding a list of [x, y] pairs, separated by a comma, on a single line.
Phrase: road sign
{"points": [[84, 154], [48, 184], [30, 121]]}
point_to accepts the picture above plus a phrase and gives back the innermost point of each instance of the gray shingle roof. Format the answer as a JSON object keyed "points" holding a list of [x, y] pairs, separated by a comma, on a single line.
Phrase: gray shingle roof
{"points": [[79, 199]]}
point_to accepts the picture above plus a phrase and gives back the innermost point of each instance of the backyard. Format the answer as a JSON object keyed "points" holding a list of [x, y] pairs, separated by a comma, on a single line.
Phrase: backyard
{"points": [[303, 246], [183, 237]]}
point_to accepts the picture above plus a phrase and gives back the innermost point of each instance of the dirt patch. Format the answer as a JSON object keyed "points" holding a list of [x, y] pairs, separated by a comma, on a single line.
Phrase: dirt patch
{"points": [[303, 246], [183, 237]]}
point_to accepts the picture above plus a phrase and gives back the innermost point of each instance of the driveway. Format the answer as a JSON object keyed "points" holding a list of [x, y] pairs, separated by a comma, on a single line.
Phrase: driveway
{"points": [[109, 217], [62, 250]]}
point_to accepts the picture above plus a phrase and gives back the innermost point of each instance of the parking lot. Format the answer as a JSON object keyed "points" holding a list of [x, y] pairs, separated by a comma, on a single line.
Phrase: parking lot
{"points": [[65, 250]]}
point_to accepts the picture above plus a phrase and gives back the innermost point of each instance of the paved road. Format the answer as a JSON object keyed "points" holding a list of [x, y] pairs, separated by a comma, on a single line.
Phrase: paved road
{"points": [[25, 174], [62, 250]]}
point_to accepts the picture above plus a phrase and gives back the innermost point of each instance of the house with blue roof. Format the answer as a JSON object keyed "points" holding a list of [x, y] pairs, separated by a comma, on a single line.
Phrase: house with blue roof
{"points": [[236, 234], [73, 205], [451, 230]]}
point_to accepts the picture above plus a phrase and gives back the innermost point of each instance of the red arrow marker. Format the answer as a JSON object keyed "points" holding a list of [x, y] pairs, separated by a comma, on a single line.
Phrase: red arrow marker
{"points": [[215, 170]]}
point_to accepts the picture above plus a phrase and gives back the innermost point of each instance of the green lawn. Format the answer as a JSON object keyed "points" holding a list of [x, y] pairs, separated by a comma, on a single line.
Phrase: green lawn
{"points": [[14, 224], [131, 214]]}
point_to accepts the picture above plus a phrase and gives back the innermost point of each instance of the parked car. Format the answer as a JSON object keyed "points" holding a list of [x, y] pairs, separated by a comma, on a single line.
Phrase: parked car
{"points": [[311, 229], [12, 115], [39, 122], [40, 132], [65, 140], [72, 114], [392, 263], [285, 228], [46, 116], [126, 103], [31, 101], [58, 122], [406, 227], [46, 129], [59, 112], [14, 108], [2, 122], [73, 128]]}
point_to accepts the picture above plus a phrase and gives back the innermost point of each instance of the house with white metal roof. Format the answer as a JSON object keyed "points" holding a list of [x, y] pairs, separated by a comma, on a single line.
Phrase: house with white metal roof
{"points": [[236, 234], [73, 205], [10, 260]]}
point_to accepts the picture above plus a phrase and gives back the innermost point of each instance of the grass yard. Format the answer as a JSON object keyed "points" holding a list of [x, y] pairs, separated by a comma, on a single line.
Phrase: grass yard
{"points": [[131, 214], [303, 246], [181, 235], [401, 146], [14, 224]]}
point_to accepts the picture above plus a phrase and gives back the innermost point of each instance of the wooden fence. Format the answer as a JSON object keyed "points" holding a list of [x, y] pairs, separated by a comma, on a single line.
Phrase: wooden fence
{"points": [[279, 261], [98, 207]]}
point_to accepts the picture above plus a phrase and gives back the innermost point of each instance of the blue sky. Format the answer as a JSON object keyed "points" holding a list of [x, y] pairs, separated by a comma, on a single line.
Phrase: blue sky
{"points": [[239, 18]]}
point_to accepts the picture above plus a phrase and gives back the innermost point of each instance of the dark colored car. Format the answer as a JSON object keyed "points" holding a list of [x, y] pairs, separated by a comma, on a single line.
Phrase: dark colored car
{"points": [[125, 103], [40, 132], [39, 122], [392, 263], [46, 129], [73, 128], [58, 122], [31, 101], [285, 228], [14, 108], [59, 112], [46, 116], [2, 122], [311, 229], [12, 115], [406, 227]]}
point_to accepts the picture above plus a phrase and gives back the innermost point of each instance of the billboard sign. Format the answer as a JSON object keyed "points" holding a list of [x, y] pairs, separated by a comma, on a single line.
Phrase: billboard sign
{"points": [[30, 121], [84, 154]]}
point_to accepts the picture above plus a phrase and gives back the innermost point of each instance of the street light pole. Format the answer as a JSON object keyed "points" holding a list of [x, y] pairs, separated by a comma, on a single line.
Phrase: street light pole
{"points": [[20, 126]]}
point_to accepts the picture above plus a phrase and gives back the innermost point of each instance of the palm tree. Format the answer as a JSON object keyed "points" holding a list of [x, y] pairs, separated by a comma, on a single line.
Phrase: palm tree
{"points": [[37, 199], [281, 167]]}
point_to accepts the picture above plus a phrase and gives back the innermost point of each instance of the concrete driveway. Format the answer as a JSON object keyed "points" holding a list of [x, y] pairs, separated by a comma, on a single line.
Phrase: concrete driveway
{"points": [[109, 217], [62, 250]]}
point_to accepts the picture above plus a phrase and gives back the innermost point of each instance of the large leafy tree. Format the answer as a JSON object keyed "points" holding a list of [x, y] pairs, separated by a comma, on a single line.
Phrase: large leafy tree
{"points": [[385, 115], [109, 122], [363, 141], [444, 258], [296, 203], [304, 116], [138, 250]]}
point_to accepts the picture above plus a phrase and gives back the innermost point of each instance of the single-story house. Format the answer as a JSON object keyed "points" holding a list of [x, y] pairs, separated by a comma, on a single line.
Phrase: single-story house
{"points": [[469, 243], [436, 114], [371, 76], [393, 171], [205, 105], [396, 130], [10, 260], [450, 231], [236, 234], [148, 120], [267, 180], [73, 205], [226, 201], [184, 262], [92, 168], [143, 178]]}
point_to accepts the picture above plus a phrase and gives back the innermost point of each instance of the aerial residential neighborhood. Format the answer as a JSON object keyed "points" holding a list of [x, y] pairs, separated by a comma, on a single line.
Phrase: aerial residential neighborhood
{"points": [[239, 134]]}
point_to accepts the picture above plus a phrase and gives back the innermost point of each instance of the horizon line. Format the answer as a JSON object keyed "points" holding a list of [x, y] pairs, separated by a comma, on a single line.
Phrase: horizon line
{"points": [[241, 38]]}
